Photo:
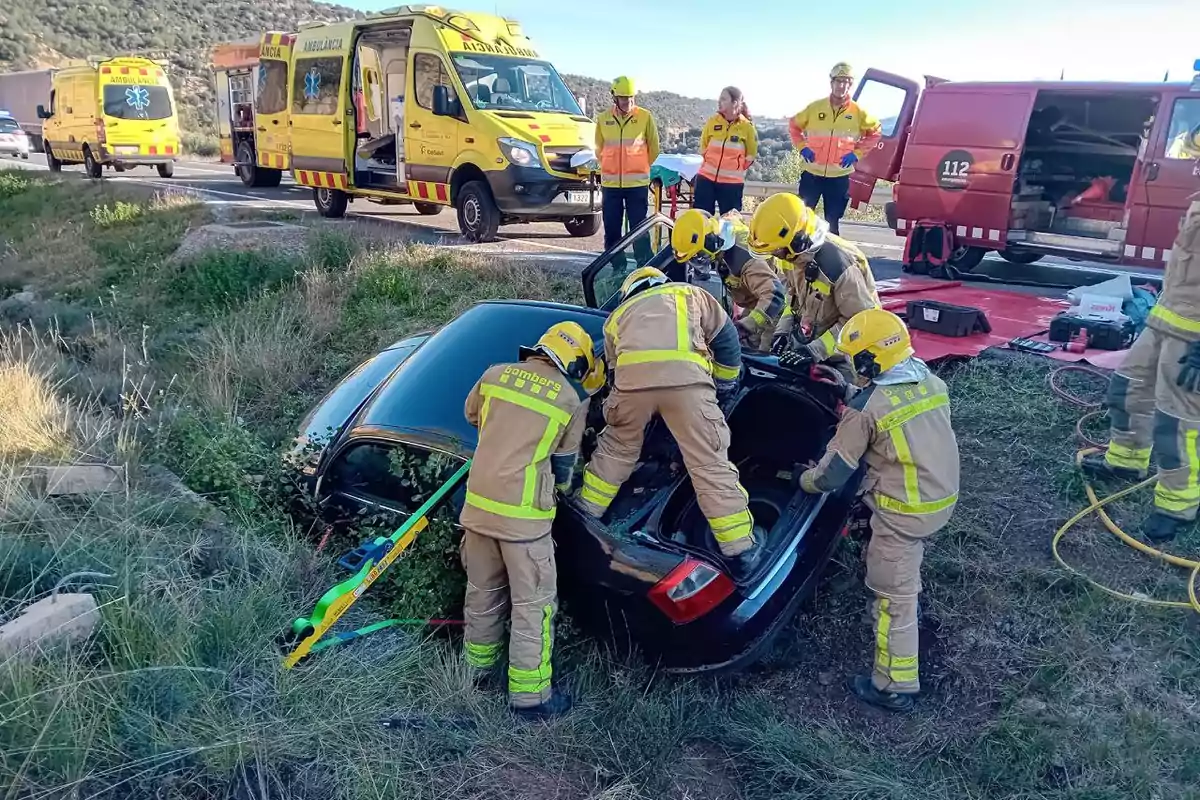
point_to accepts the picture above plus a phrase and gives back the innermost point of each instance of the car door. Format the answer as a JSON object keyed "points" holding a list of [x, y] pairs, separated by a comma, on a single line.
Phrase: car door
{"points": [[430, 142], [649, 244], [891, 99], [322, 131], [272, 135], [1169, 175], [386, 481]]}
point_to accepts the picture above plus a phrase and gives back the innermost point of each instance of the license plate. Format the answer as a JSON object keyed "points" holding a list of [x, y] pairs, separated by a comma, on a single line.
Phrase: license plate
{"points": [[580, 198], [127, 150]]}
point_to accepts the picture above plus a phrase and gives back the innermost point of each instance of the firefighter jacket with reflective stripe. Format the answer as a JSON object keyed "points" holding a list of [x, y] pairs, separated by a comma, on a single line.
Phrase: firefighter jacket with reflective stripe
{"points": [[1177, 312], [903, 433], [755, 286], [670, 336], [728, 148], [531, 420], [833, 133], [826, 289], [627, 146]]}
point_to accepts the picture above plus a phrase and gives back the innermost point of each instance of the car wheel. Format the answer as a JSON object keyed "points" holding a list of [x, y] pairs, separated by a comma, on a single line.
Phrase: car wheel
{"points": [[1021, 256], [91, 167], [25, 156], [478, 216], [52, 160], [966, 259], [166, 170], [331, 203], [582, 227], [427, 209]]}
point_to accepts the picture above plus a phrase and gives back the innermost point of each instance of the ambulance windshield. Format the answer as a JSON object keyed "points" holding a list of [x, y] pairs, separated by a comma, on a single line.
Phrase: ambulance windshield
{"points": [[514, 84], [137, 102]]}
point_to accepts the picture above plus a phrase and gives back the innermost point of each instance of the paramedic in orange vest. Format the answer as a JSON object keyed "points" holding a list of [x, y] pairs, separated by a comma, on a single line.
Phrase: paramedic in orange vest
{"points": [[832, 134], [729, 144], [627, 144]]}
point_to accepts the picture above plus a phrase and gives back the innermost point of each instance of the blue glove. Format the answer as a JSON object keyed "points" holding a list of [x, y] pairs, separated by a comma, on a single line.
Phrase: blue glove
{"points": [[808, 155], [849, 160]]}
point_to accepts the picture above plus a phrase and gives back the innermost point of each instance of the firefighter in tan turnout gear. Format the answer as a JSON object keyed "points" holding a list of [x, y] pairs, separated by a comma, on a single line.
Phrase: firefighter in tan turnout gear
{"points": [[674, 352], [900, 426], [1154, 398], [531, 418], [829, 279], [753, 284]]}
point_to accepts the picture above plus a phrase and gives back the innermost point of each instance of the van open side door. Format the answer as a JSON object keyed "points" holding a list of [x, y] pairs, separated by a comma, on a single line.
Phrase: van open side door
{"points": [[892, 100]]}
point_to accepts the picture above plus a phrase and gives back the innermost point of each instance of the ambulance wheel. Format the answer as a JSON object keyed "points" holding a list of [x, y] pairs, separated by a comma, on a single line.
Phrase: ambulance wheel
{"points": [[582, 227], [247, 171], [1021, 256], [91, 167], [478, 216], [52, 161], [268, 178], [427, 209], [965, 259], [166, 170], [331, 203]]}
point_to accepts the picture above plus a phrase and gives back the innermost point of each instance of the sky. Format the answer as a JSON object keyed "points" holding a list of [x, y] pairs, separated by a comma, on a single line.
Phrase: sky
{"points": [[696, 47]]}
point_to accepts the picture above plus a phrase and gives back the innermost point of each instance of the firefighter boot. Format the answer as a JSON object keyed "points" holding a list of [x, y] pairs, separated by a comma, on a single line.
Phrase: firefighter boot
{"points": [[558, 704], [865, 690], [1159, 528], [1097, 466], [745, 562]]}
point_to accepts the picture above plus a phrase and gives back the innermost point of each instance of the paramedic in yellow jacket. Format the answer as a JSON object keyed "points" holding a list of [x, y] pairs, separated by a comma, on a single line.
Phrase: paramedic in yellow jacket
{"points": [[752, 283], [729, 145], [829, 279], [832, 134], [627, 145], [531, 417], [899, 426], [674, 353]]}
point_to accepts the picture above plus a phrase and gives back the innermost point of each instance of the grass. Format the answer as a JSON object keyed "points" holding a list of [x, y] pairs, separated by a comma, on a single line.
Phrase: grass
{"points": [[1038, 686]]}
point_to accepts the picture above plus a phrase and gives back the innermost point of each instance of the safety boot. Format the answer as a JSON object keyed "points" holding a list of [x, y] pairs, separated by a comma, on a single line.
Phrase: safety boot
{"points": [[865, 690], [1159, 528], [558, 704], [1097, 466], [487, 679], [745, 562]]}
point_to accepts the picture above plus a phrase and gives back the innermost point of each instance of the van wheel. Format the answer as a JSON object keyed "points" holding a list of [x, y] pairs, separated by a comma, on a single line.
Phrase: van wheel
{"points": [[427, 209], [331, 203], [581, 227], [166, 170], [478, 216], [1021, 256], [966, 259], [269, 178], [52, 161], [91, 167], [247, 172]]}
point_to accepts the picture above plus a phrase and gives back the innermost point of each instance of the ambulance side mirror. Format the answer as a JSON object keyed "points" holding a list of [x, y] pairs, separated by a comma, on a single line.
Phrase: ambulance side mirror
{"points": [[42, 112], [443, 104]]}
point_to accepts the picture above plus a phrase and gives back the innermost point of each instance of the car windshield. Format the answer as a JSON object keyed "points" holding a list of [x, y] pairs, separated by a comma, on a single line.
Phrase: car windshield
{"points": [[137, 102], [514, 84], [8, 125]]}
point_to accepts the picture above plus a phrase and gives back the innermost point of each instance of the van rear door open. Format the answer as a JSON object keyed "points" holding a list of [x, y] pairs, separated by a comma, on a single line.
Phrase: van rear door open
{"points": [[271, 101], [321, 124], [892, 100], [1169, 175]]}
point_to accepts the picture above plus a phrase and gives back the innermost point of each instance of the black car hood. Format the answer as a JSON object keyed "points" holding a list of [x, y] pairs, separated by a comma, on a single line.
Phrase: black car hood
{"points": [[427, 393]]}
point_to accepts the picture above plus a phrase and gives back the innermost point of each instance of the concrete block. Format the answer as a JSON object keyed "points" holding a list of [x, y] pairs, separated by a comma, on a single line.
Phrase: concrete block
{"points": [[76, 479], [49, 622]]}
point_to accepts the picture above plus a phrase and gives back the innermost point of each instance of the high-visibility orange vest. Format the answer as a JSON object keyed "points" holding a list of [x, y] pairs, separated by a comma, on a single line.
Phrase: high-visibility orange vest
{"points": [[627, 146], [833, 133], [728, 147]]}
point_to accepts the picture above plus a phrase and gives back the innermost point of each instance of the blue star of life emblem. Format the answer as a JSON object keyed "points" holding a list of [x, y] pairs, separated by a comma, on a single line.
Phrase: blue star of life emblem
{"points": [[138, 97], [312, 84]]}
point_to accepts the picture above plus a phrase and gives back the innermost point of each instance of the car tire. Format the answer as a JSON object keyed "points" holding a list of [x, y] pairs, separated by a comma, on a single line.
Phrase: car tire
{"points": [[1021, 256], [331, 203], [52, 162], [427, 209], [478, 216], [269, 178], [583, 227], [166, 170], [24, 156], [965, 259], [247, 169], [91, 167]]}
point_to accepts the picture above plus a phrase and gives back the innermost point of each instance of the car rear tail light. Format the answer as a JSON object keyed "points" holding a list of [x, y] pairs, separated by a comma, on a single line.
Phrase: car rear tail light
{"points": [[691, 590]]}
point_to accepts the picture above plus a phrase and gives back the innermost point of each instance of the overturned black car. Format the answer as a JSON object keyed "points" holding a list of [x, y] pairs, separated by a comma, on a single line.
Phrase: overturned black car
{"points": [[650, 571]]}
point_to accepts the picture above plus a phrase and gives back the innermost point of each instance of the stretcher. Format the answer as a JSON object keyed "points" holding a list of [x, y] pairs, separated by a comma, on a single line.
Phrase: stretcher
{"points": [[672, 181]]}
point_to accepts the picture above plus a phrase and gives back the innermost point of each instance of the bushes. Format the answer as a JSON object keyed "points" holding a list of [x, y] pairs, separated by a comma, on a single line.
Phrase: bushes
{"points": [[220, 279], [200, 145], [13, 183], [106, 216]]}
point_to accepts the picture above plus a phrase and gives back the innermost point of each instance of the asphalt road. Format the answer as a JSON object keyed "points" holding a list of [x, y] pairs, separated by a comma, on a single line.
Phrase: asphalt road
{"points": [[549, 244]]}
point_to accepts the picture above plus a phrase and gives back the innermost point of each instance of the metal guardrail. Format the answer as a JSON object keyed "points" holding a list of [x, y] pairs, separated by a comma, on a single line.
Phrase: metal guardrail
{"points": [[759, 189]]}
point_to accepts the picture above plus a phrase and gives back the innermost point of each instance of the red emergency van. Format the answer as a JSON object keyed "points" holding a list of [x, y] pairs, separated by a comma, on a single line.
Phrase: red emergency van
{"points": [[1090, 171]]}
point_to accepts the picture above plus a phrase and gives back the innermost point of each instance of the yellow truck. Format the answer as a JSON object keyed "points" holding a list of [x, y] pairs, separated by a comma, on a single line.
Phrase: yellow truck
{"points": [[438, 108], [117, 113]]}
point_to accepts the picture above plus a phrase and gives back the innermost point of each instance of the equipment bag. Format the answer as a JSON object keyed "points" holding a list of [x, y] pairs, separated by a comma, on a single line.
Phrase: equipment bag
{"points": [[928, 248]]}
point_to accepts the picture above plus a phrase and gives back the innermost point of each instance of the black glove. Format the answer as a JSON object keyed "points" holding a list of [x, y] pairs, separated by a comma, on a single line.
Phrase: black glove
{"points": [[726, 390], [779, 343], [797, 360], [1189, 376]]}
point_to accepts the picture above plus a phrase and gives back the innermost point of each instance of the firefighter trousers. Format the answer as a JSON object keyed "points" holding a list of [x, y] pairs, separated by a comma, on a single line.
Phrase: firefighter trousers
{"points": [[894, 557], [695, 420], [516, 579], [1149, 411]]}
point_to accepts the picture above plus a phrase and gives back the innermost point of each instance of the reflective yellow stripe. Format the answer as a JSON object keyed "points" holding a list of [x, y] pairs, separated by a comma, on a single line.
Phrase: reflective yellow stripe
{"points": [[912, 491], [822, 286], [683, 339], [828, 341], [724, 373], [900, 416], [525, 401], [654, 356], [590, 495], [1119, 455], [487, 405], [507, 509], [539, 457], [483, 655], [1171, 318], [904, 669], [900, 507], [882, 629], [599, 485], [535, 681], [732, 526], [610, 327], [759, 317]]}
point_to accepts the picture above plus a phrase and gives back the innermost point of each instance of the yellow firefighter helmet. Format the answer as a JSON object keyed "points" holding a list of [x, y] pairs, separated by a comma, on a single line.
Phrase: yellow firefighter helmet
{"points": [[784, 227], [623, 87], [875, 341], [841, 70], [697, 232], [569, 347], [642, 278]]}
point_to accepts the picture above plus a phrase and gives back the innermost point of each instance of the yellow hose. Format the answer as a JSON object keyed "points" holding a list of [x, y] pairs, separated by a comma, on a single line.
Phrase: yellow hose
{"points": [[1097, 505]]}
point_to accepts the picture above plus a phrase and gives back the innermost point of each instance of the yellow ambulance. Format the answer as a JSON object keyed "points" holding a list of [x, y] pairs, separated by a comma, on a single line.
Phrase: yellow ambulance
{"points": [[118, 113], [439, 108]]}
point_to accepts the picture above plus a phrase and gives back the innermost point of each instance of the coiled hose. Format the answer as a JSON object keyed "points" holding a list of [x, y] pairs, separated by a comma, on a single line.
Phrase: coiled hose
{"points": [[1095, 409]]}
